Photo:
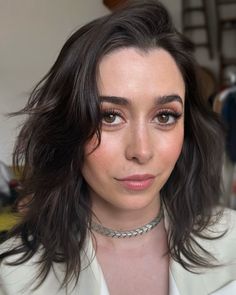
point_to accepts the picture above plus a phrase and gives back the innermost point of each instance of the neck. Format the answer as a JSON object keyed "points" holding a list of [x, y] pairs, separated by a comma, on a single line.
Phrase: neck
{"points": [[124, 219], [156, 238]]}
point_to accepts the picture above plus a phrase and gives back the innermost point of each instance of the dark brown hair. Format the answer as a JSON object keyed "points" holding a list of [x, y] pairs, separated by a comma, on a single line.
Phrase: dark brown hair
{"points": [[64, 113]]}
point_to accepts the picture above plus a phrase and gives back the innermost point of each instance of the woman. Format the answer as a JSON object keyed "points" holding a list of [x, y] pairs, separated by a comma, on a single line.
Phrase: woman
{"points": [[120, 161]]}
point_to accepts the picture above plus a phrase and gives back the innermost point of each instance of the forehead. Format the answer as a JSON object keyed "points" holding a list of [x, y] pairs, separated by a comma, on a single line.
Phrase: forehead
{"points": [[131, 70]]}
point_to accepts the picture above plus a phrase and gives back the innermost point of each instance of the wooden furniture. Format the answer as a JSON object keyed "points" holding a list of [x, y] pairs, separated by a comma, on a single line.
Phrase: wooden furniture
{"points": [[226, 19], [200, 13], [113, 4]]}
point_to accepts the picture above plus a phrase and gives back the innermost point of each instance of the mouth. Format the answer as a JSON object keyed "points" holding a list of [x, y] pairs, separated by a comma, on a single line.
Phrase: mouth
{"points": [[137, 182]]}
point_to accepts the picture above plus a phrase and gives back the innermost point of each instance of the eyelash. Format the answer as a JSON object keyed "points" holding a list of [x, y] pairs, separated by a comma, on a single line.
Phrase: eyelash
{"points": [[164, 112], [112, 112], [176, 115]]}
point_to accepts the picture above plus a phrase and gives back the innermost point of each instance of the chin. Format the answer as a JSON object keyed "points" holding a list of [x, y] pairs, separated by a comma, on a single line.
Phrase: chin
{"points": [[138, 202]]}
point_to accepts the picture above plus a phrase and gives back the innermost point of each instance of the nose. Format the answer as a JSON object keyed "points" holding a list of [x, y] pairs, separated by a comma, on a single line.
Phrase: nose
{"points": [[139, 145]]}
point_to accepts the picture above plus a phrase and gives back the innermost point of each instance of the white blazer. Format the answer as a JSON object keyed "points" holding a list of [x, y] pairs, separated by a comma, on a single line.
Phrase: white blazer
{"points": [[221, 280]]}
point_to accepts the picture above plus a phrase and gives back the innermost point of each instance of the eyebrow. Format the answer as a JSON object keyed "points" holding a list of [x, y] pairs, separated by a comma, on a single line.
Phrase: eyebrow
{"points": [[160, 100]]}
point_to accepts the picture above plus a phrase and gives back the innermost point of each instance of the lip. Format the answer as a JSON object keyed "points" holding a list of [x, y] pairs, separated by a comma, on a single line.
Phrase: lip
{"points": [[137, 182]]}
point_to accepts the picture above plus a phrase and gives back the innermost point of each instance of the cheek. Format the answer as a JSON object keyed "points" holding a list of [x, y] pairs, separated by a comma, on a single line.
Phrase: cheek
{"points": [[99, 159], [171, 148], [107, 146]]}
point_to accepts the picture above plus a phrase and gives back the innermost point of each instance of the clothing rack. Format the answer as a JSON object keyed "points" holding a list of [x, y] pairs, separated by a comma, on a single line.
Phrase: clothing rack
{"points": [[225, 105]]}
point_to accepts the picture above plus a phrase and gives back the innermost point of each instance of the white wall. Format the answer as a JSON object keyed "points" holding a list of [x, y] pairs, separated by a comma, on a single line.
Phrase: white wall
{"points": [[201, 54], [174, 7], [31, 34]]}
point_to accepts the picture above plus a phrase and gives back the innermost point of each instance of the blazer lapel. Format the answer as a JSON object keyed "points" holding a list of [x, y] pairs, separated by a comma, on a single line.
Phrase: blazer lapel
{"points": [[210, 280], [91, 279], [187, 282]]}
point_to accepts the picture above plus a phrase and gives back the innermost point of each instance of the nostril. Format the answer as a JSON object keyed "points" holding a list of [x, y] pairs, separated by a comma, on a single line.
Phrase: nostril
{"points": [[138, 153]]}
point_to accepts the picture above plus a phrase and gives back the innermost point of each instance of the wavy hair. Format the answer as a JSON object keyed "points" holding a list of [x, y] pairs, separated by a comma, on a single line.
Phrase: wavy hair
{"points": [[63, 113]]}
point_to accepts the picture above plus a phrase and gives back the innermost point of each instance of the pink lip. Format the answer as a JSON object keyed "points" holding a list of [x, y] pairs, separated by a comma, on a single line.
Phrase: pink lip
{"points": [[137, 182]]}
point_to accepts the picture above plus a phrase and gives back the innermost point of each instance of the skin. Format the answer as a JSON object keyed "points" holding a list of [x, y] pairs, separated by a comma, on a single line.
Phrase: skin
{"points": [[135, 141], [142, 133]]}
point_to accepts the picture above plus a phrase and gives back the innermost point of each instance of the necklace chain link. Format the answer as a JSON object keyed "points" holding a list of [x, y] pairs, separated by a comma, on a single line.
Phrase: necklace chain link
{"points": [[129, 233]]}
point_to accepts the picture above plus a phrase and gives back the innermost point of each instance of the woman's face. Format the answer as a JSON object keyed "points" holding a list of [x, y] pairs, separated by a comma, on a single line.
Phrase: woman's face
{"points": [[142, 101]]}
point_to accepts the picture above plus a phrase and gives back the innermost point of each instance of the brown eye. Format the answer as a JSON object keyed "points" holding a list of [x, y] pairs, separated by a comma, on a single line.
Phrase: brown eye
{"points": [[109, 118], [163, 118], [166, 118]]}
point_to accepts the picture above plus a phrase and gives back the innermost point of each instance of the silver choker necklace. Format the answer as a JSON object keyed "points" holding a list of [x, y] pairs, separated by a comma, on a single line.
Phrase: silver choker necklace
{"points": [[129, 233]]}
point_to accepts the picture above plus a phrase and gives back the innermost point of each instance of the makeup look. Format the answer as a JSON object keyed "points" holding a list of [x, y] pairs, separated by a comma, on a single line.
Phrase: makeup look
{"points": [[142, 103]]}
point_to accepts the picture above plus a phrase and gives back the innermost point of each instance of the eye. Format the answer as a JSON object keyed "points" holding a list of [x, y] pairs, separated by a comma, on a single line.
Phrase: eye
{"points": [[111, 117], [167, 117]]}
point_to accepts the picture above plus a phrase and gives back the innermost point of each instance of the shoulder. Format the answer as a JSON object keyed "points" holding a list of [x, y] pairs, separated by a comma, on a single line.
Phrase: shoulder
{"points": [[220, 242], [13, 279], [223, 223], [9, 245], [221, 237], [21, 278]]}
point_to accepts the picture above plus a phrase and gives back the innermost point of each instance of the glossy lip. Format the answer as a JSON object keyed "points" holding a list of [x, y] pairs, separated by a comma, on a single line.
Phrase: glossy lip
{"points": [[137, 182]]}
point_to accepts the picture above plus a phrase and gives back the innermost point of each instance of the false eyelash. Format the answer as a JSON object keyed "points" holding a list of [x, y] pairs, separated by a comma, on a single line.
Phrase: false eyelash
{"points": [[175, 114], [111, 111]]}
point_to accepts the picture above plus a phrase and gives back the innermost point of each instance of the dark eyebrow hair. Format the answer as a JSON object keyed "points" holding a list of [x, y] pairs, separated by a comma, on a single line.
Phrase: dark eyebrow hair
{"points": [[169, 98], [115, 100], [125, 101]]}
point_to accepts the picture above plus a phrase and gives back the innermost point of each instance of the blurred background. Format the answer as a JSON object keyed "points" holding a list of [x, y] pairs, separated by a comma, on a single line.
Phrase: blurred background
{"points": [[32, 33]]}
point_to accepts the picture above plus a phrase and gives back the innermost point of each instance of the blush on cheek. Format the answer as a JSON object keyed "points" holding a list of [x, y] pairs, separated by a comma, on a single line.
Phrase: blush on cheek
{"points": [[91, 146], [96, 156], [175, 149]]}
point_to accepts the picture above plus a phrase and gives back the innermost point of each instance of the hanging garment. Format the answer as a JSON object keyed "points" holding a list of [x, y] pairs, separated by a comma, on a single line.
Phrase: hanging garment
{"points": [[229, 116]]}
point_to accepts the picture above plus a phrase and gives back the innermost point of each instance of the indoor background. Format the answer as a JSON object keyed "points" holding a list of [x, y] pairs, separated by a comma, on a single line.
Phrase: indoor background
{"points": [[32, 33]]}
